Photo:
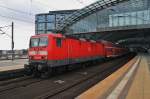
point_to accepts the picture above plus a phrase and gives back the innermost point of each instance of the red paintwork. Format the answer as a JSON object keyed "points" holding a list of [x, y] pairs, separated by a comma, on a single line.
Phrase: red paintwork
{"points": [[113, 50], [74, 48]]}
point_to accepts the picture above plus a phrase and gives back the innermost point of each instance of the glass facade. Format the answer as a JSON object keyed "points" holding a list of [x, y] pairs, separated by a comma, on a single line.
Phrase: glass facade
{"points": [[132, 18], [127, 13], [48, 22], [95, 17]]}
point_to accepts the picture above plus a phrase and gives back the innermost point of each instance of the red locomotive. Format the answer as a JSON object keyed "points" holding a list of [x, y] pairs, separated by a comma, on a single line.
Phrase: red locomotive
{"points": [[48, 51]]}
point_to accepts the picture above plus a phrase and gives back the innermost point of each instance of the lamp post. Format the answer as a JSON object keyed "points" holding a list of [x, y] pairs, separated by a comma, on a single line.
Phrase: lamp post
{"points": [[12, 39]]}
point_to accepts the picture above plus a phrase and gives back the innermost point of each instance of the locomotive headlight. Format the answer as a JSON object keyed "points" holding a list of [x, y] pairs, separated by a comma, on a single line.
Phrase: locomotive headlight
{"points": [[42, 53], [32, 52]]}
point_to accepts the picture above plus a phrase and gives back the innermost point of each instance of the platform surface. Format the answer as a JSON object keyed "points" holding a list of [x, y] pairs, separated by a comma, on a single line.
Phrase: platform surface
{"points": [[132, 81], [140, 87], [6, 65]]}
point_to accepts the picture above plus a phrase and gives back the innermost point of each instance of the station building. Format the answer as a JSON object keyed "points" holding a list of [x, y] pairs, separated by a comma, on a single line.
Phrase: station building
{"points": [[104, 19], [108, 14], [92, 18], [48, 22]]}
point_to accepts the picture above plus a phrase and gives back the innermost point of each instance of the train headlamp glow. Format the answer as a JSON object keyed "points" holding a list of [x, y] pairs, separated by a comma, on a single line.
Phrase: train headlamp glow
{"points": [[32, 52], [42, 53]]}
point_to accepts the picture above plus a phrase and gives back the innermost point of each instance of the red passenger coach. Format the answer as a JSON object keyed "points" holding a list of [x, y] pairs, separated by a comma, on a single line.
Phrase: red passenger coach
{"points": [[113, 50], [48, 51]]}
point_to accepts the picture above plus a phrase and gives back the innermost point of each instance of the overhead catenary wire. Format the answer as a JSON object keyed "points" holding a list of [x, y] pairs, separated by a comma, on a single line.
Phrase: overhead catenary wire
{"points": [[5, 26], [17, 19], [15, 10], [22, 12], [81, 2], [30, 11], [4, 32], [45, 4]]}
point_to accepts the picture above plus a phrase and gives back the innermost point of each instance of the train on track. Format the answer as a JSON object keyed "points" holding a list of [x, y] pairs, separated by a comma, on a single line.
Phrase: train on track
{"points": [[48, 51]]}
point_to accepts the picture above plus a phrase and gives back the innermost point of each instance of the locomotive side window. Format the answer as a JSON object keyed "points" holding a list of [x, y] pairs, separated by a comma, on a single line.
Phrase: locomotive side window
{"points": [[58, 42]]}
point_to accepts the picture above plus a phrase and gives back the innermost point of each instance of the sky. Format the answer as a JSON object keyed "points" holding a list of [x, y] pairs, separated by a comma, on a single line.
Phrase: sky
{"points": [[22, 13]]}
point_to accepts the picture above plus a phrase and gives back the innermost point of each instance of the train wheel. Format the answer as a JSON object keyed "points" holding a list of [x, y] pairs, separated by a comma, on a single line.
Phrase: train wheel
{"points": [[46, 74], [27, 70], [36, 74], [66, 68]]}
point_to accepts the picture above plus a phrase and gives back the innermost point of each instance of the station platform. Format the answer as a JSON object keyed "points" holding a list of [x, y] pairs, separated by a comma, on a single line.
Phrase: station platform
{"points": [[9, 65], [132, 81]]}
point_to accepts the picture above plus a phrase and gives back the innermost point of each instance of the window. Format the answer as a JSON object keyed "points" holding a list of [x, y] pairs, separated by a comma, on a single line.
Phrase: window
{"points": [[109, 49], [40, 32], [58, 42], [50, 18], [43, 41], [60, 17], [40, 18], [41, 26], [50, 26], [34, 42]]}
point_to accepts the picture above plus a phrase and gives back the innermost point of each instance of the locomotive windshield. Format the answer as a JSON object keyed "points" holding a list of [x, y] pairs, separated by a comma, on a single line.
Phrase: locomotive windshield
{"points": [[43, 41], [35, 42]]}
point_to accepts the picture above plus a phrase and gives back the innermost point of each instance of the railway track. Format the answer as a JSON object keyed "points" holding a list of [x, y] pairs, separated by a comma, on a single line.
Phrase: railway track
{"points": [[67, 85], [6, 82], [12, 74], [17, 83], [63, 92]]}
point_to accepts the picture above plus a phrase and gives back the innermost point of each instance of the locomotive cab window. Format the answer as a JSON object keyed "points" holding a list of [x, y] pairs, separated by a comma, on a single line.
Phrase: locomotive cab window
{"points": [[43, 41], [58, 42], [35, 42]]}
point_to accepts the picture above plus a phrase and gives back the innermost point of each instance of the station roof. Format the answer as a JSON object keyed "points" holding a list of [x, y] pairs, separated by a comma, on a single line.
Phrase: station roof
{"points": [[59, 12], [88, 10], [111, 7], [132, 5]]}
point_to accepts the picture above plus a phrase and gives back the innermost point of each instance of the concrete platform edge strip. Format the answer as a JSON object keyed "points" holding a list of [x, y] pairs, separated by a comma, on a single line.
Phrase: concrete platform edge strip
{"points": [[117, 91], [11, 74], [99, 91]]}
